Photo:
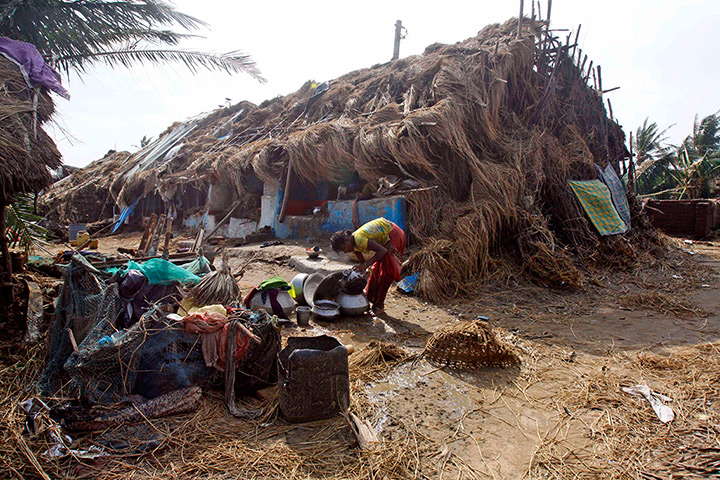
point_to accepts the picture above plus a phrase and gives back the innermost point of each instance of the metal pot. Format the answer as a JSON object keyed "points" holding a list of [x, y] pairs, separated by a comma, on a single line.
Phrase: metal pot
{"points": [[298, 282], [326, 310], [352, 305], [310, 285]]}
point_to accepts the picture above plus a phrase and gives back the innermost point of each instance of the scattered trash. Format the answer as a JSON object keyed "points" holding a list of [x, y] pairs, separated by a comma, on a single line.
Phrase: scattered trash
{"points": [[407, 284], [271, 244], [664, 413]]}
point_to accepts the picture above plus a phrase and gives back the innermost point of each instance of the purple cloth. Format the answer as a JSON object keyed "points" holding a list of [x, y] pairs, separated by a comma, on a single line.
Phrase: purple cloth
{"points": [[32, 65]]}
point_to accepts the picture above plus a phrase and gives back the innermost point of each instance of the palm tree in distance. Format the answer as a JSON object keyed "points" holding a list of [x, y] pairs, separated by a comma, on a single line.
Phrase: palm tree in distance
{"points": [[648, 142], [73, 35]]}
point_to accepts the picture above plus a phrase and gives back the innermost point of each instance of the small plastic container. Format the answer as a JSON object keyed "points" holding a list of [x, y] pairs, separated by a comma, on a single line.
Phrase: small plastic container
{"points": [[303, 315]]}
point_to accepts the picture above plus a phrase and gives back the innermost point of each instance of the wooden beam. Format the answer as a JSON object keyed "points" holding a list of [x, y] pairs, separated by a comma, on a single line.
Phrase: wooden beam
{"points": [[168, 233]]}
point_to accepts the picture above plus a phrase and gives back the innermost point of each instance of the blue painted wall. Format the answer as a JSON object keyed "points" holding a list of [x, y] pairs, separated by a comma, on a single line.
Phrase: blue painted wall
{"points": [[340, 215]]}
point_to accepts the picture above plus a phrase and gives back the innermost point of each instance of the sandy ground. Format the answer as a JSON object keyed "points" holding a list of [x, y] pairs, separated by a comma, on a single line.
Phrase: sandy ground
{"points": [[496, 420]]}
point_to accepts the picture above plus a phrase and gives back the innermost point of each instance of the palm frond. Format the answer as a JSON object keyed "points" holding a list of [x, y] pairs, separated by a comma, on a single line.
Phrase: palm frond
{"points": [[73, 34], [235, 62], [22, 227]]}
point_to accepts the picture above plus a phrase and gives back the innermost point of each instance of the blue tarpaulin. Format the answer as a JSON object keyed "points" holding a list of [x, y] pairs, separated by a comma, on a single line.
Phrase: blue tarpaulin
{"points": [[124, 215]]}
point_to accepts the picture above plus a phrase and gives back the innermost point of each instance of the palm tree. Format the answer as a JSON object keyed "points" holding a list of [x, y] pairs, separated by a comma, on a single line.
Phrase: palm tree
{"points": [[648, 141], [690, 170], [73, 35]]}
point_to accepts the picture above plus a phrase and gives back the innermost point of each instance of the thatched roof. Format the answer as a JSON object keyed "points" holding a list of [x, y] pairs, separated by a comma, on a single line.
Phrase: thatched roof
{"points": [[498, 124], [27, 153], [84, 195]]}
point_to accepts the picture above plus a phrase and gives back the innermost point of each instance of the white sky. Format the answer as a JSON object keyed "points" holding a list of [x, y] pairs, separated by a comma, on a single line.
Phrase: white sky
{"points": [[662, 53]]}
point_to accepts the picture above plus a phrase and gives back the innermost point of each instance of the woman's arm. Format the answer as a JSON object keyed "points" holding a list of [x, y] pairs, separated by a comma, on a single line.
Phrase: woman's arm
{"points": [[379, 250]]}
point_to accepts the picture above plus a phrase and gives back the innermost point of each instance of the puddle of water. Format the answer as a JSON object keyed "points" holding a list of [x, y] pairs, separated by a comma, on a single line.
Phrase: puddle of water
{"points": [[406, 379]]}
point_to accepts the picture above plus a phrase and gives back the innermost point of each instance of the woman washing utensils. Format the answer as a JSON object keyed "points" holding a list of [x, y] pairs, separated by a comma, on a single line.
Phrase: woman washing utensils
{"points": [[387, 241]]}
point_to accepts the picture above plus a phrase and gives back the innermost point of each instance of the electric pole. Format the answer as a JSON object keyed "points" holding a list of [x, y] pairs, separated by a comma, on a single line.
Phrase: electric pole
{"points": [[398, 36]]}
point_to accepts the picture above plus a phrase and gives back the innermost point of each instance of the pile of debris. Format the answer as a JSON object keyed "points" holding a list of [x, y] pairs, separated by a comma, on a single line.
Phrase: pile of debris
{"points": [[487, 131]]}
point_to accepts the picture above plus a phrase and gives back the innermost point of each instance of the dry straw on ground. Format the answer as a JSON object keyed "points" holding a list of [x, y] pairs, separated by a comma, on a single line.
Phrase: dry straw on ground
{"points": [[209, 444], [604, 432]]}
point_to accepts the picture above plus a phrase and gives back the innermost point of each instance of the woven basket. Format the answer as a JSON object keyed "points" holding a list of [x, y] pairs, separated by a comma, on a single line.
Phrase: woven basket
{"points": [[469, 345]]}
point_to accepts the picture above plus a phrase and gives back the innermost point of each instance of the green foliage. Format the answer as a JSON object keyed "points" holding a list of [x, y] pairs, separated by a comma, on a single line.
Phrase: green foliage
{"points": [[691, 170], [22, 228], [73, 35]]}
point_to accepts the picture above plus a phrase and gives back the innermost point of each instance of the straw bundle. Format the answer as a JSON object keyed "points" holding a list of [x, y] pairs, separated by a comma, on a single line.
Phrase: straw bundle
{"points": [[216, 288]]}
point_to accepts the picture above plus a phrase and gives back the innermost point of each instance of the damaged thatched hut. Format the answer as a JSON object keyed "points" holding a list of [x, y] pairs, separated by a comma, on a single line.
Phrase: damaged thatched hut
{"points": [[486, 133], [28, 153]]}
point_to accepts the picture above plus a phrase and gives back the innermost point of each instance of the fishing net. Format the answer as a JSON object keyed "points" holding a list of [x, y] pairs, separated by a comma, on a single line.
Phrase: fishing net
{"points": [[78, 309], [152, 357], [470, 345]]}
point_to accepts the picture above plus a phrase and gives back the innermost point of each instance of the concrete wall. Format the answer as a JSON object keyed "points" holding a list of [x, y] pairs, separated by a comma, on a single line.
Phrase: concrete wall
{"points": [[234, 228]]}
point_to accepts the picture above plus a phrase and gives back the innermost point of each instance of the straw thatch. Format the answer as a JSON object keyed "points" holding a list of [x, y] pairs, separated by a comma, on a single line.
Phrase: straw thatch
{"points": [[27, 153], [497, 123]]}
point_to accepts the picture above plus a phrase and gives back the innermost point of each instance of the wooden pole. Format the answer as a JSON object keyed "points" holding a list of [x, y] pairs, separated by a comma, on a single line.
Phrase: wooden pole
{"points": [[398, 34], [149, 228], [631, 173], [155, 240], [599, 78], [610, 109], [7, 262], [520, 19], [221, 222], [168, 233], [532, 11], [549, 10], [577, 36]]}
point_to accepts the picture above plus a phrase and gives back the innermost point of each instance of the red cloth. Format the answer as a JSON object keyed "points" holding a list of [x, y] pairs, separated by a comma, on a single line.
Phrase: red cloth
{"points": [[387, 270], [214, 327]]}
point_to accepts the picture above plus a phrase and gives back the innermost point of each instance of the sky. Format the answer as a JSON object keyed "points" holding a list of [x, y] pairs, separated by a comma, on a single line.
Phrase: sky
{"points": [[661, 53]]}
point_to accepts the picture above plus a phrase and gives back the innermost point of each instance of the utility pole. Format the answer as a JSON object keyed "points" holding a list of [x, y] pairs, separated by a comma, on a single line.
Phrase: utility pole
{"points": [[520, 19], [398, 36]]}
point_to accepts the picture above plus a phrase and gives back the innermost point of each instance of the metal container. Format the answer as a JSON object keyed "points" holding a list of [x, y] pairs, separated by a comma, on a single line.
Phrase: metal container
{"points": [[310, 285], [326, 310], [303, 315], [298, 283], [313, 378], [352, 305]]}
